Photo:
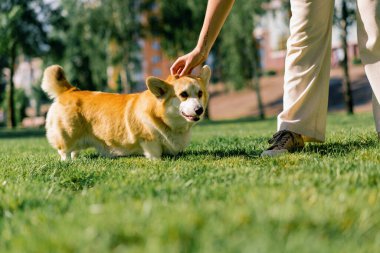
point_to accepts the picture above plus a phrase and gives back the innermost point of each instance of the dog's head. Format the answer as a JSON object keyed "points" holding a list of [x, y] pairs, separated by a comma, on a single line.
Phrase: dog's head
{"points": [[182, 99]]}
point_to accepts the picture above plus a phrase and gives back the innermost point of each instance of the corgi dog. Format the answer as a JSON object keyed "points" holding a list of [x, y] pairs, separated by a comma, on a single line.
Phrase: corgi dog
{"points": [[151, 123]]}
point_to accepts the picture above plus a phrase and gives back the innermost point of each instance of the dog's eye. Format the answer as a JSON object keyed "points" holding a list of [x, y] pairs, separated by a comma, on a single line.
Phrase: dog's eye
{"points": [[200, 93], [184, 94]]}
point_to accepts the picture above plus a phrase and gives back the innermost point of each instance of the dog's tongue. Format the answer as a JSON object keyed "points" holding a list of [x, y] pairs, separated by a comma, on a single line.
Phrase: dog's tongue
{"points": [[193, 118]]}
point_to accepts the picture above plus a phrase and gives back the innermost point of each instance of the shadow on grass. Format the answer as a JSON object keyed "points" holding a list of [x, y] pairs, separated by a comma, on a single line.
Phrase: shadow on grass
{"points": [[97, 156], [21, 133], [67, 175], [79, 181], [216, 153], [340, 148], [92, 156], [222, 153], [324, 149]]}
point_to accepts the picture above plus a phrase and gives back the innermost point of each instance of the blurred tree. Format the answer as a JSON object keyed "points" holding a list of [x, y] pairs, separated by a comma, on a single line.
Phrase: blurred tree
{"points": [[2, 78], [122, 29], [177, 22], [99, 39], [22, 32], [73, 44], [346, 17], [239, 50], [21, 103]]}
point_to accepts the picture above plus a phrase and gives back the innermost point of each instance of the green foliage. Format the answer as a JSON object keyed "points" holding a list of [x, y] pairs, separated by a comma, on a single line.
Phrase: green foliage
{"points": [[238, 48], [83, 38], [218, 196], [178, 24], [22, 27], [351, 12], [356, 61], [270, 72], [21, 103], [2, 78], [75, 44], [40, 98]]}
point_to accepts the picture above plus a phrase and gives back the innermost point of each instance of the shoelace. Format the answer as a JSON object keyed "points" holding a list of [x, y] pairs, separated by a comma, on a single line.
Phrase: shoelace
{"points": [[280, 138]]}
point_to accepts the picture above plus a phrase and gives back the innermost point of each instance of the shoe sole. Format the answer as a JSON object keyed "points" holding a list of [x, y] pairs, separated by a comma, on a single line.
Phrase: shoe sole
{"points": [[276, 153]]}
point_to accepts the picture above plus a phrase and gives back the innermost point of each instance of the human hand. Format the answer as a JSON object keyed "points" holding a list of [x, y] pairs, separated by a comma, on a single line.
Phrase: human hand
{"points": [[186, 63]]}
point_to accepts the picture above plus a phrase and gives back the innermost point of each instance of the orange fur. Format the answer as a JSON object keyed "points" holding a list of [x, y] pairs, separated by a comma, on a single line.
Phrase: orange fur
{"points": [[119, 124]]}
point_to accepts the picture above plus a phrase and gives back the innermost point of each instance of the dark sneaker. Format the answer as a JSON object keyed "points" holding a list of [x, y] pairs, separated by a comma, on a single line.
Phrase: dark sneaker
{"points": [[282, 142]]}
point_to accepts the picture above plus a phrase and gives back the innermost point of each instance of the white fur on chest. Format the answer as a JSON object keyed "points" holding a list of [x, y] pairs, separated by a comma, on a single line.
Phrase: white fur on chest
{"points": [[174, 143], [171, 142]]}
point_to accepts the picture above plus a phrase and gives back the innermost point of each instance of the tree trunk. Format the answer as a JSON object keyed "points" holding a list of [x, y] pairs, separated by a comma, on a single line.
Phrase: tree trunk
{"points": [[124, 79], [256, 80], [11, 115], [256, 85], [346, 78]]}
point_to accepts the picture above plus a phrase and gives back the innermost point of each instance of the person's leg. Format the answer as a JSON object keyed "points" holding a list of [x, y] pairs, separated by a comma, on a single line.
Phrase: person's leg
{"points": [[368, 19], [376, 113], [307, 69], [307, 73]]}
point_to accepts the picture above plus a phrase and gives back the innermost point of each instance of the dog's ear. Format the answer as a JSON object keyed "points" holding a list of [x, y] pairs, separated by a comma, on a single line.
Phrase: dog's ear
{"points": [[158, 87], [205, 74]]}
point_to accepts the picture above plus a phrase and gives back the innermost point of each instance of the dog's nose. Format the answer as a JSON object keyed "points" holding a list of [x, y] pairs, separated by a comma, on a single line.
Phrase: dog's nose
{"points": [[199, 111]]}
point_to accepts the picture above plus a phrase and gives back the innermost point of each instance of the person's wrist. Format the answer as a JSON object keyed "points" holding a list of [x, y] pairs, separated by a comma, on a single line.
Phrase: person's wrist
{"points": [[202, 51]]}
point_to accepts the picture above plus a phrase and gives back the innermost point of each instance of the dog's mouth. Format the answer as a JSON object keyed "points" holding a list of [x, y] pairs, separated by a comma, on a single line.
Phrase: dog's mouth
{"points": [[189, 117]]}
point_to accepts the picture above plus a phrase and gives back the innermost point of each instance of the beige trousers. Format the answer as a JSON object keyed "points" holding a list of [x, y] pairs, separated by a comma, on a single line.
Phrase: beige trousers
{"points": [[308, 59]]}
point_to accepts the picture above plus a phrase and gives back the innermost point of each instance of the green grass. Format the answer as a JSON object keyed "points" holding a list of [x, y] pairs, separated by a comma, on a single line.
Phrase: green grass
{"points": [[218, 196]]}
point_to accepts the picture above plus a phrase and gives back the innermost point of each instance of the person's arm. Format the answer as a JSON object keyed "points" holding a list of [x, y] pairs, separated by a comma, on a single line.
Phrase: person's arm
{"points": [[216, 14]]}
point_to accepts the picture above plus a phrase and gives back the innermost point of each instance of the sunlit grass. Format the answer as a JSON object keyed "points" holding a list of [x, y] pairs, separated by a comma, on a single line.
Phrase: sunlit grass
{"points": [[218, 196]]}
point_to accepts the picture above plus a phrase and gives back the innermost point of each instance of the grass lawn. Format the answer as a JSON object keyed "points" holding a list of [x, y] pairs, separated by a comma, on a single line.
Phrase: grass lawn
{"points": [[218, 196]]}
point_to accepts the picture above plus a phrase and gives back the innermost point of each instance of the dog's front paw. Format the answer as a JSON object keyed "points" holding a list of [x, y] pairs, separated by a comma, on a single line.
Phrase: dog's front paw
{"points": [[152, 150], [152, 157]]}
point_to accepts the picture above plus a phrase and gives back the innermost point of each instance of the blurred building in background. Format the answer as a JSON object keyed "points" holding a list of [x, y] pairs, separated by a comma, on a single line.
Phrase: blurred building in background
{"points": [[155, 63], [272, 31]]}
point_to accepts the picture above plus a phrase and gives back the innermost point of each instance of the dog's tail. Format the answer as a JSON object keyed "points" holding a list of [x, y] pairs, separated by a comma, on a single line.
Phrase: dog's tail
{"points": [[54, 81]]}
